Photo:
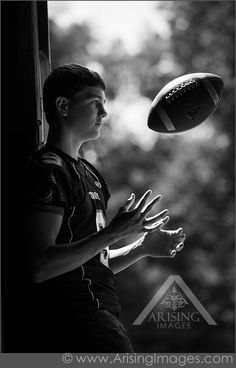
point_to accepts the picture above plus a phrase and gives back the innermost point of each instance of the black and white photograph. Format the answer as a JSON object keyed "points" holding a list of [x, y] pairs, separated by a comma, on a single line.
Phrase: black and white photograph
{"points": [[118, 182]]}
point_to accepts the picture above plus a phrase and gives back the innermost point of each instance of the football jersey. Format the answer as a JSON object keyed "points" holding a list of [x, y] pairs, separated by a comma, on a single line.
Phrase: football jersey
{"points": [[56, 182]]}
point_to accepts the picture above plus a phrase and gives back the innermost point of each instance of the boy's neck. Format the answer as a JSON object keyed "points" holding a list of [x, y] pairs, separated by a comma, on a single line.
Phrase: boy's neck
{"points": [[65, 143]]}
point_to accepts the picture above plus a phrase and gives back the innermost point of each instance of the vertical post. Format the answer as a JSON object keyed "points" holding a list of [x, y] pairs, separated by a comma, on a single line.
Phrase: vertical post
{"points": [[42, 65], [37, 74], [44, 53], [25, 65]]}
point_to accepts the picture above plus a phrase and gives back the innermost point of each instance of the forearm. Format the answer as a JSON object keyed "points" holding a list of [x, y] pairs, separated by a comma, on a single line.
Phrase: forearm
{"points": [[62, 258], [124, 257]]}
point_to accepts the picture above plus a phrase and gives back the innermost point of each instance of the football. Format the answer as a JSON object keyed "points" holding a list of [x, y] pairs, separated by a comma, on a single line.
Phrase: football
{"points": [[185, 102]]}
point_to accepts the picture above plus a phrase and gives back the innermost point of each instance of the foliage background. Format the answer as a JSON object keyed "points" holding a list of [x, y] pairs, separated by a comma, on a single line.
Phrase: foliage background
{"points": [[194, 171]]}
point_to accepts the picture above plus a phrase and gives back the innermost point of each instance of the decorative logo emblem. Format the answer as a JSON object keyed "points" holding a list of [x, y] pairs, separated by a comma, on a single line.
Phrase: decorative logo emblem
{"points": [[94, 195], [98, 184], [174, 300]]}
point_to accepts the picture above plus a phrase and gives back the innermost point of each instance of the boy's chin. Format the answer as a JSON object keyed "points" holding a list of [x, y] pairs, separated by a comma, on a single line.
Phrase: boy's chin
{"points": [[94, 136]]}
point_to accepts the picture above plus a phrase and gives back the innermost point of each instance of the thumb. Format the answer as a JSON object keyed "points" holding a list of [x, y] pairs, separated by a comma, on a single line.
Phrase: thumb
{"points": [[128, 203]]}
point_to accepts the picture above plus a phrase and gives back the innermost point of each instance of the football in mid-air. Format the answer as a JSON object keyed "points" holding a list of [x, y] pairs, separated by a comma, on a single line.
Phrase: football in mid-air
{"points": [[185, 102]]}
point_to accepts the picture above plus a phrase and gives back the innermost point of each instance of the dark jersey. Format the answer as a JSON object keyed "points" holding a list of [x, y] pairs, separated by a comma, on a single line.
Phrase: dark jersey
{"points": [[57, 183]]}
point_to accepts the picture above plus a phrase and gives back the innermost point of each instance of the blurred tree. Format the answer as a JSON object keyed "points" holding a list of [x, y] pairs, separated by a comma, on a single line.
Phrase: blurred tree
{"points": [[71, 44]]}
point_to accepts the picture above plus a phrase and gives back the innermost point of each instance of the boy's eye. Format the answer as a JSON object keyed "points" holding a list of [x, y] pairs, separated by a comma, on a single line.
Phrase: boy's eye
{"points": [[98, 104]]}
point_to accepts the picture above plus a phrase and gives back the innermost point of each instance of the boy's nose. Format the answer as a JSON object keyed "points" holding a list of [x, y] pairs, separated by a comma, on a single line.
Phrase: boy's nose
{"points": [[103, 113]]}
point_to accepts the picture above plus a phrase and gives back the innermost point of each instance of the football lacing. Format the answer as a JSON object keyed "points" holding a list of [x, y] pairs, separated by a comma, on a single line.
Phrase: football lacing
{"points": [[180, 89]]}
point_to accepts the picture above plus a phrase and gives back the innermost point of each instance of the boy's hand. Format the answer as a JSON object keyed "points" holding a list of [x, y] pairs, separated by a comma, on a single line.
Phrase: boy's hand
{"points": [[131, 218], [168, 243]]}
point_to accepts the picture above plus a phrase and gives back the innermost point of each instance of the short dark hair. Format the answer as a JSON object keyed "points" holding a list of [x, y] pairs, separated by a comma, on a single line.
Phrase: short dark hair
{"points": [[66, 80]]}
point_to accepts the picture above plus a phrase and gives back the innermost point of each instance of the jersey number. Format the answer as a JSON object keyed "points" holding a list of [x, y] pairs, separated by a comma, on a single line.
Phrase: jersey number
{"points": [[100, 223]]}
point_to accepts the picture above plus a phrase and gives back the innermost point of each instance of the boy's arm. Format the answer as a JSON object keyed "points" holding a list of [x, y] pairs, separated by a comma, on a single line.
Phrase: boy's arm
{"points": [[46, 259], [121, 258]]}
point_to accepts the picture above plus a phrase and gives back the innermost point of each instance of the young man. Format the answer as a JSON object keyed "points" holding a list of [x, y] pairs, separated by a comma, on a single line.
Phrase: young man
{"points": [[75, 304]]}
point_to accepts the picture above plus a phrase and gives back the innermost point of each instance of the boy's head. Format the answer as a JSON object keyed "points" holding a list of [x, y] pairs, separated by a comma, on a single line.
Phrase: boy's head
{"points": [[67, 80]]}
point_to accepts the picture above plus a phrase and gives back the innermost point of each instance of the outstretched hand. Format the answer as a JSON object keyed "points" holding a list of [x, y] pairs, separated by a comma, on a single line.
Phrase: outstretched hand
{"points": [[131, 218], [167, 244]]}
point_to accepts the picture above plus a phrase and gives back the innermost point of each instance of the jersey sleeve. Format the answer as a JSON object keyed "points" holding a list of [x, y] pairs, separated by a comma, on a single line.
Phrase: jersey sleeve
{"points": [[46, 188]]}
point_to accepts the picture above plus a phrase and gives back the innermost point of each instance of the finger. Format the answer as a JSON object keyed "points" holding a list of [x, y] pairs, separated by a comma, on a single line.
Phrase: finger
{"points": [[128, 203], [172, 253], [175, 233], [149, 206], [143, 199], [158, 216], [179, 231], [180, 239], [157, 225], [133, 205], [169, 253], [165, 221], [179, 247]]}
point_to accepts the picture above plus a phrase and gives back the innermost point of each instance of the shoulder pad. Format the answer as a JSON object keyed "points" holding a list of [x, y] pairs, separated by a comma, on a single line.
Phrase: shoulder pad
{"points": [[50, 159]]}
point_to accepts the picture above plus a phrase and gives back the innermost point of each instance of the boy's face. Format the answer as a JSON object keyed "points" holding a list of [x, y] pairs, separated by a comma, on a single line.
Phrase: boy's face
{"points": [[86, 111]]}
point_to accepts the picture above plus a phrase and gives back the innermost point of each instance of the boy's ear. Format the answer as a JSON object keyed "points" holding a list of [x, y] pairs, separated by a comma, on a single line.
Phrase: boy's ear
{"points": [[62, 104]]}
